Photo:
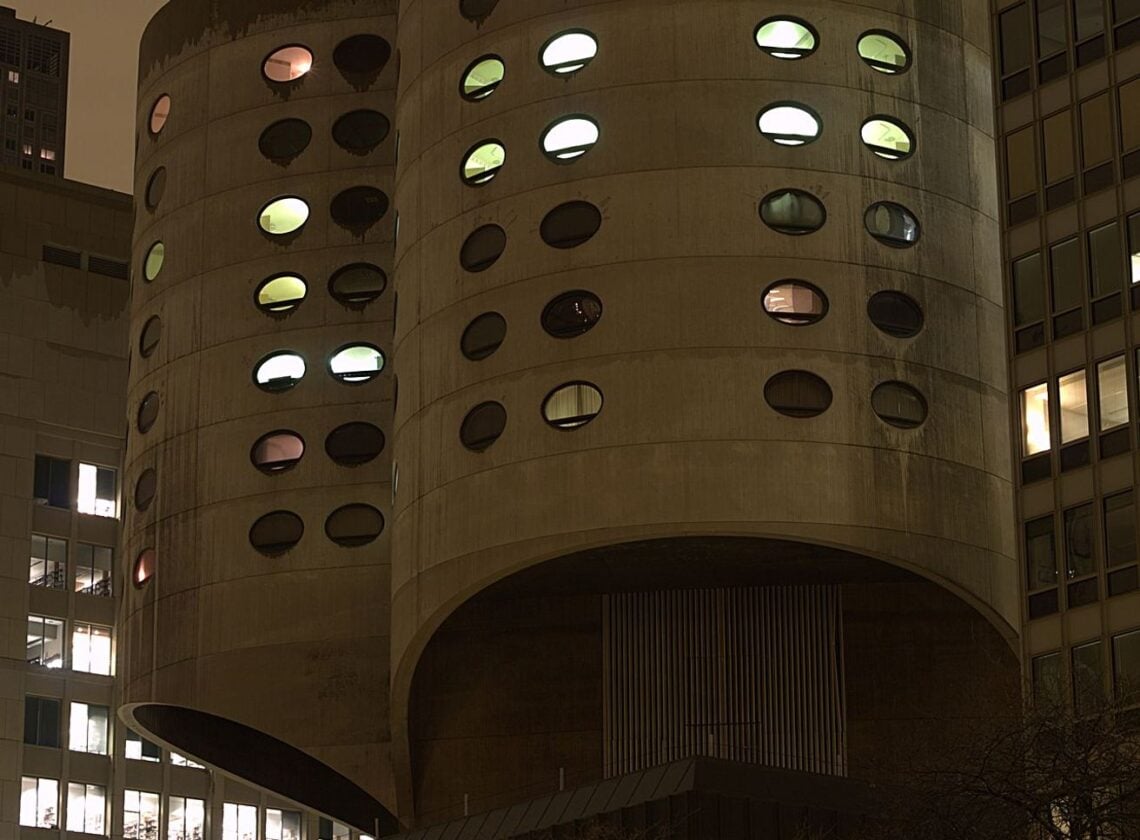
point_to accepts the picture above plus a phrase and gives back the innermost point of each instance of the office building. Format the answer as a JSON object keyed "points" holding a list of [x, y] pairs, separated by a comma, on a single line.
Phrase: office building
{"points": [[34, 67]]}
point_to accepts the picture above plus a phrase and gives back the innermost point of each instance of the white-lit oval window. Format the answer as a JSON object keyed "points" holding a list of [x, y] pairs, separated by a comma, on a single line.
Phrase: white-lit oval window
{"points": [[789, 123], [281, 293], [279, 371], [483, 162], [568, 52], [481, 78], [356, 363], [892, 224], [887, 137], [569, 138], [283, 215], [159, 113], [152, 263], [572, 406], [884, 51], [795, 302], [287, 64], [786, 37]]}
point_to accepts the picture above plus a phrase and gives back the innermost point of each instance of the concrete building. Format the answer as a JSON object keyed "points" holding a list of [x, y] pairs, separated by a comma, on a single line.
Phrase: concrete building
{"points": [[34, 67]]}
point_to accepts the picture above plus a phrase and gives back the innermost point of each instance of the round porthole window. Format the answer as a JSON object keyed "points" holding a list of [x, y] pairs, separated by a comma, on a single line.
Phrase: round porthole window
{"points": [[150, 336], [279, 371], [284, 215], [899, 405], [572, 405], [568, 52], [148, 412], [569, 225], [569, 138], [483, 162], [354, 364], [354, 443], [362, 55], [786, 38], [481, 78], [483, 336], [277, 451], [281, 293], [276, 532], [482, 248], [572, 314], [152, 263], [789, 124], [798, 393], [477, 10], [892, 224], [284, 140], [482, 426], [793, 212], [357, 284], [896, 314], [887, 137], [884, 51], [795, 302], [354, 525], [287, 64], [155, 188], [361, 131], [159, 113], [145, 489], [144, 568], [358, 208]]}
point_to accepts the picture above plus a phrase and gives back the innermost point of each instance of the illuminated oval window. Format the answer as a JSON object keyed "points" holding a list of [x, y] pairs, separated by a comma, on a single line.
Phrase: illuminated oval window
{"points": [[276, 532], [279, 371], [572, 405], [896, 314], [793, 212], [152, 263], [148, 412], [287, 64], [281, 293], [884, 51], [358, 208], [795, 302], [569, 139], [159, 114], [568, 52], [357, 284], [482, 248], [284, 140], [571, 314], [283, 215], [477, 10], [789, 124], [277, 451], [482, 426], [144, 568], [483, 336], [481, 78], [797, 393], [361, 131], [353, 525], [787, 38], [887, 137], [150, 336], [155, 188], [362, 55], [483, 162], [145, 489], [899, 405], [354, 443], [892, 224], [356, 363], [569, 225]]}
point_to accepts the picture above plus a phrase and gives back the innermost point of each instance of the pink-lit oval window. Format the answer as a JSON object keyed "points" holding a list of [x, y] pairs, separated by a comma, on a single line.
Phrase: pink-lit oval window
{"points": [[277, 451], [288, 64], [158, 114], [144, 568]]}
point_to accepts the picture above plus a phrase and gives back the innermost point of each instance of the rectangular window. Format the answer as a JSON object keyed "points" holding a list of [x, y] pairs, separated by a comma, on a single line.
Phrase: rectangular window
{"points": [[1112, 393], [41, 721], [1035, 420], [282, 825], [91, 649], [1015, 50], [13, 77], [182, 761], [1040, 559], [140, 815], [1080, 531], [1021, 162], [1105, 269], [1029, 288], [1096, 131], [140, 749], [1088, 15], [239, 822], [47, 565], [1134, 246], [53, 481], [1129, 94], [86, 808], [39, 802], [93, 569], [90, 726], [1058, 134], [1050, 27], [1072, 395], [1067, 276], [1088, 678], [45, 641], [1123, 10], [329, 830], [186, 818], [1126, 666], [96, 490], [1119, 530]]}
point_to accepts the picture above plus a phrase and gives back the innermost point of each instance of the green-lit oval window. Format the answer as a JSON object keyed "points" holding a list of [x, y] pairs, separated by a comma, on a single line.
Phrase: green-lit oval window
{"points": [[786, 37], [481, 78], [884, 51], [887, 137], [283, 215], [483, 162], [152, 263], [281, 293]]}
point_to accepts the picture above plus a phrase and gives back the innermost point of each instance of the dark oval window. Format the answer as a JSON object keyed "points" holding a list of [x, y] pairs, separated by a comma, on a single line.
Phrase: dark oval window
{"points": [[354, 443], [482, 426], [149, 338], [568, 52], [786, 37], [155, 188], [357, 284], [279, 371], [361, 55], [884, 51], [145, 488], [148, 412], [287, 64], [276, 532], [281, 293], [795, 302], [569, 225], [358, 208], [793, 212], [899, 405], [481, 77], [353, 525], [892, 224], [797, 393], [477, 10], [277, 451], [572, 405], [571, 314], [355, 364], [285, 139], [482, 248], [483, 336], [144, 568], [159, 114], [887, 137], [896, 314], [482, 162], [361, 131]]}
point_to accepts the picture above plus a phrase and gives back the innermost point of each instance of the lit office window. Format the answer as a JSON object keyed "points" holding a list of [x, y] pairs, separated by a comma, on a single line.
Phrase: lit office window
{"points": [[140, 815], [45, 641], [329, 830], [1112, 393], [96, 490], [89, 728], [1035, 420], [182, 761], [93, 569], [39, 802], [47, 564], [282, 825], [239, 822], [1072, 396], [186, 818], [140, 749], [91, 649], [1134, 247], [86, 808]]}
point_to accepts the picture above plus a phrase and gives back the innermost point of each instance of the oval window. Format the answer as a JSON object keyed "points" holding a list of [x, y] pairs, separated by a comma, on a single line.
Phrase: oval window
{"points": [[354, 443], [144, 568], [283, 215], [571, 314], [152, 264], [279, 371], [789, 124], [482, 248], [150, 335], [572, 405], [797, 393], [277, 451], [356, 363], [358, 208], [793, 212], [361, 55], [896, 314], [353, 525], [887, 137], [482, 426], [155, 188], [787, 38], [477, 10], [892, 224], [145, 489], [569, 138], [483, 336], [276, 532], [361, 131], [357, 284], [284, 140], [281, 293], [159, 113], [481, 78], [568, 52], [898, 404], [483, 162], [287, 63], [569, 225], [884, 51], [148, 412], [795, 302]]}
